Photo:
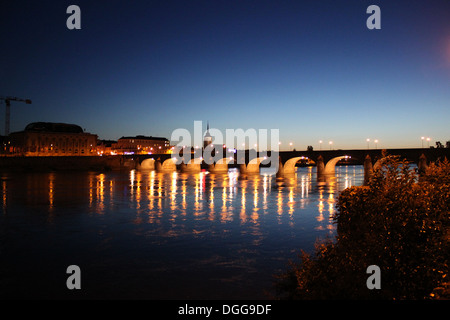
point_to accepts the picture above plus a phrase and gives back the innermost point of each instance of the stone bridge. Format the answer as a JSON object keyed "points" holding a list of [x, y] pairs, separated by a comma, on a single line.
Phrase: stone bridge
{"points": [[324, 160]]}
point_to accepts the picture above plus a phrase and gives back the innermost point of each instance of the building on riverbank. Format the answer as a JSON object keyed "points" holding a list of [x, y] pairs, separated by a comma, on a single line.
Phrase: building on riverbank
{"points": [[141, 145], [104, 147], [52, 139]]}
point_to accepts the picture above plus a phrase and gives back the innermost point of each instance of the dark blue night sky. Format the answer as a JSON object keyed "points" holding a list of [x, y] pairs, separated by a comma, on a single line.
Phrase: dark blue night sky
{"points": [[309, 68]]}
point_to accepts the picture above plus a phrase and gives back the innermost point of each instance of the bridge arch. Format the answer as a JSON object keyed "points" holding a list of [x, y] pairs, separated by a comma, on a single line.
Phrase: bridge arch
{"points": [[331, 165], [167, 166], [148, 164], [252, 166], [421, 163], [289, 166], [220, 166], [194, 165]]}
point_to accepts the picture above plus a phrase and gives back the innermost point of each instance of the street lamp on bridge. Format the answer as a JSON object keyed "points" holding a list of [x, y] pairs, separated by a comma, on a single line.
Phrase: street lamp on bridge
{"points": [[320, 144], [368, 140], [428, 140], [330, 143]]}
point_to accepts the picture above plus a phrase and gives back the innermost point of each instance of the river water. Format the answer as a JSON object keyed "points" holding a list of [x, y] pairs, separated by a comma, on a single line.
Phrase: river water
{"points": [[148, 235]]}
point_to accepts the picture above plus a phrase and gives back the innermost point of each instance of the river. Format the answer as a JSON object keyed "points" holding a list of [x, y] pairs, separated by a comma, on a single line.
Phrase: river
{"points": [[148, 235]]}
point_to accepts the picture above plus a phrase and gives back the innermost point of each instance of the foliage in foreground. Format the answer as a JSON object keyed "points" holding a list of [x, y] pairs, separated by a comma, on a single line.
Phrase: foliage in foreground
{"points": [[399, 221]]}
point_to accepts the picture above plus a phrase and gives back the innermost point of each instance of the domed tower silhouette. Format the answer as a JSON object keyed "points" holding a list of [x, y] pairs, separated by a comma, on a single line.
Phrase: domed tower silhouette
{"points": [[208, 138]]}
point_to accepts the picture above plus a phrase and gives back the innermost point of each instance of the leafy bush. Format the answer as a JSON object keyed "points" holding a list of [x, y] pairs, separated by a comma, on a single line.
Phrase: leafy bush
{"points": [[399, 221]]}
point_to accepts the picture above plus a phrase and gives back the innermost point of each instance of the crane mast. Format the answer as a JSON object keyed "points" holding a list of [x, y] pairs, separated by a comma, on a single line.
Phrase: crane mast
{"points": [[8, 110]]}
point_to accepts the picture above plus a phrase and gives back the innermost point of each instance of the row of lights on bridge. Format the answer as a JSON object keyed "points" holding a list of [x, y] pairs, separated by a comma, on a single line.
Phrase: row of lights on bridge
{"points": [[375, 141], [428, 139], [330, 143]]}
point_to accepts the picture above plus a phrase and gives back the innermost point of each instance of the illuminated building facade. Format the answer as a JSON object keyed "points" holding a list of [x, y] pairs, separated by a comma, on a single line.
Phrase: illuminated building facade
{"points": [[104, 147], [141, 145], [52, 139]]}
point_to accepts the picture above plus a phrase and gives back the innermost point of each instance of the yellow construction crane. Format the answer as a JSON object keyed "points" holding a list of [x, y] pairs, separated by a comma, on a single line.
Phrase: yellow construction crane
{"points": [[8, 109]]}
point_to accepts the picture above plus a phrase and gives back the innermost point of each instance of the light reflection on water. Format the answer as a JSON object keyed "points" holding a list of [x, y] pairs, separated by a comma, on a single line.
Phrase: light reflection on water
{"points": [[165, 235]]}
